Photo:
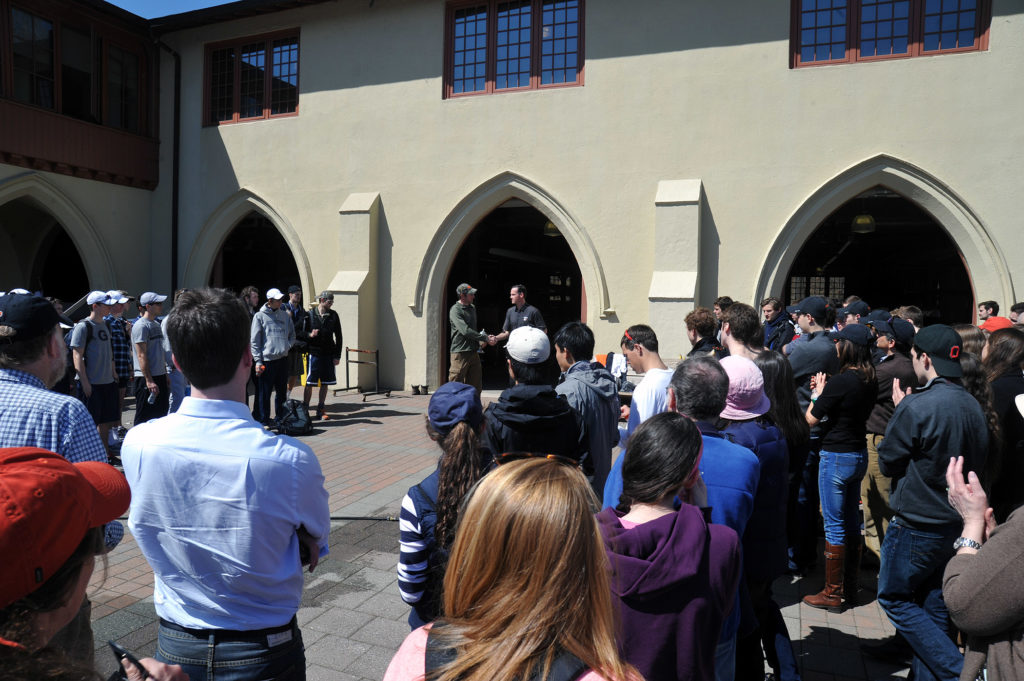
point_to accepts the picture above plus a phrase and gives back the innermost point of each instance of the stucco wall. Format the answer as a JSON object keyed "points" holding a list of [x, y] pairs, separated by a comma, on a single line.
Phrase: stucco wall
{"points": [[673, 90], [109, 224]]}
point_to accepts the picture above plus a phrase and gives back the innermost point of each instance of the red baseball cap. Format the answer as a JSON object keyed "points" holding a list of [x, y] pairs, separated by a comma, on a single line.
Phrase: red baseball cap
{"points": [[47, 506]]}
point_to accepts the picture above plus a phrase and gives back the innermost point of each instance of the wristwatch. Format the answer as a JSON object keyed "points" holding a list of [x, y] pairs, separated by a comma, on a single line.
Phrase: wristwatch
{"points": [[964, 541]]}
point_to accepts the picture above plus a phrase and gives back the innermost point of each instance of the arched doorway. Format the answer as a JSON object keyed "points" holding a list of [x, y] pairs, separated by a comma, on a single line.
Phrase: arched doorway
{"points": [[889, 251], [516, 244], [37, 253], [254, 253]]}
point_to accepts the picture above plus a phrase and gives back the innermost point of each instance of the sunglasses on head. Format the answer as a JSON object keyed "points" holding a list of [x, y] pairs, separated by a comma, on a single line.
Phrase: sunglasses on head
{"points": [[508, 457]]}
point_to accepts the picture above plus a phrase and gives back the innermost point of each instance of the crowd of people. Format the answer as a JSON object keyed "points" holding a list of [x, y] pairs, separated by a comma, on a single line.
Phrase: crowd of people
{"points": [[528, 553], [882, 431]]}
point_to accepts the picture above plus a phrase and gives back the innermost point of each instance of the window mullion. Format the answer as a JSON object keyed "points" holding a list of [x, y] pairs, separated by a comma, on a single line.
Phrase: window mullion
{"points": [[491, 75], [236, 84], [267, 80], [853, 31], [536, 30]]}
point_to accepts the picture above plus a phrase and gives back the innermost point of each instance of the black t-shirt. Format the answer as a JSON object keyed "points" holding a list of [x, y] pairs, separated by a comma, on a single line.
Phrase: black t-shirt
{"points": [[847, 402]]}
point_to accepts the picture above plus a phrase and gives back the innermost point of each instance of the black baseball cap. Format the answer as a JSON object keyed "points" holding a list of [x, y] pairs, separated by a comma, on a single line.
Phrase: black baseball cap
{"points": [[900, 329], [943, 346], [294, 289], [812, 305], [29, 316], [858, 334], [858, 307]]}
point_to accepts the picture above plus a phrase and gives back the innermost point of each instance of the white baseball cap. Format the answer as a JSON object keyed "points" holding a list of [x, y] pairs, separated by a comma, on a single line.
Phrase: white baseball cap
{"points": [[528, 345], [116, 297], [274, 294], [98, 297], [148, 298]]}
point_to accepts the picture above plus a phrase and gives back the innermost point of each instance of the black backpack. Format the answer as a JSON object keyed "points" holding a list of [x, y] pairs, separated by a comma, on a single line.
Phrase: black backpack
{"points": [[295, 419]]}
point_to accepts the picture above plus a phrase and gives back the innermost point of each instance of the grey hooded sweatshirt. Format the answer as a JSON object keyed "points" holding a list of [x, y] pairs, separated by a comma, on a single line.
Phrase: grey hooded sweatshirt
{"points": [[271, 334], [590, 390]]}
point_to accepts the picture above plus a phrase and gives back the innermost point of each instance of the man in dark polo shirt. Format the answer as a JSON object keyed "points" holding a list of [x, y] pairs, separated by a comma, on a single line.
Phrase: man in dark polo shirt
{"points": [[520, 314]]}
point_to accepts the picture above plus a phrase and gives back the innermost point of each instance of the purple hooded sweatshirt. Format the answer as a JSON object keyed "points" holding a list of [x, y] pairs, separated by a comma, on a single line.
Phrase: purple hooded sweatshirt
{"points": [[674, 579]]}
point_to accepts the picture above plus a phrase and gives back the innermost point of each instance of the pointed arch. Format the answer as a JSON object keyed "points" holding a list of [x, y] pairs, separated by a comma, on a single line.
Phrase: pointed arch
{"points": [[99, 268], [218, 226], [986, 266], [463, 218]]}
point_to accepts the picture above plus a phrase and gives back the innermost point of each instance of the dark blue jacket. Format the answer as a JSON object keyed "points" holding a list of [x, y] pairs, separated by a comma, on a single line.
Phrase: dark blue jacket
{"points": [[764, 542]]}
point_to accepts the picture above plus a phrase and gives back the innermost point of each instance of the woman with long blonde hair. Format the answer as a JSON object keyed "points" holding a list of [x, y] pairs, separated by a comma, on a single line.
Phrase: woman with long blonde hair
{"points": [[526, 591]]}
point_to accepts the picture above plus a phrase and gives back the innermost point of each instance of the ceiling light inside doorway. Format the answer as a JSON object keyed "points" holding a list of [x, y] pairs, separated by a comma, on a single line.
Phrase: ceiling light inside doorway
{"points": [[550, 229], [863, 224]]}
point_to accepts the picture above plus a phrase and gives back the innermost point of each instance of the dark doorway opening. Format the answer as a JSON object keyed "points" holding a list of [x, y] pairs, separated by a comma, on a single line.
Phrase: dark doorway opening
{"points": [[255, 254], [39, 254], [890, 252], [514, 244], [61, 270]]}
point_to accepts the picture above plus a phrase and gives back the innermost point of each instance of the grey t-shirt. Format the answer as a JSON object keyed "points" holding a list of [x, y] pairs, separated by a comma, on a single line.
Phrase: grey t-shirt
{"points": [[149, 332], [99, 356]]}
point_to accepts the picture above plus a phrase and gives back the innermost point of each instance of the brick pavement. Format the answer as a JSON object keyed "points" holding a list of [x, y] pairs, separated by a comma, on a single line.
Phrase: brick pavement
{"points": [[352, 618]]}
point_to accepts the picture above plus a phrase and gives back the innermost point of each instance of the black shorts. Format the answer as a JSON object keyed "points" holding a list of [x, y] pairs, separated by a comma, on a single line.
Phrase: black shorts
{"points": [[321, 370], [294, 362], [104, 403]]}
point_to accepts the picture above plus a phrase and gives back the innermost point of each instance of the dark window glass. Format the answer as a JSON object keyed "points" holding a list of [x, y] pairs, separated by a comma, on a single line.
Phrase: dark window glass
{"points": [[76, 74], [122, 89], [949, 24], [32, 42], [469, 50], [884, 27], [284, 86], [559, 42], [222, 82], [252, 80], [512, 64], [822, 30]]}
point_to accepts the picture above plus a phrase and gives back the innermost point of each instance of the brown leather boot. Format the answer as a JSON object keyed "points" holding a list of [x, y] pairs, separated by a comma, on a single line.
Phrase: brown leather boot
{"points": [[851, 575], [831, 597]]}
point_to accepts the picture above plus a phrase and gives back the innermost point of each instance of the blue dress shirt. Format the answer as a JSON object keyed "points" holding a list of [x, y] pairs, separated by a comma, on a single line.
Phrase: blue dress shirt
{"points": [[216, 502]]}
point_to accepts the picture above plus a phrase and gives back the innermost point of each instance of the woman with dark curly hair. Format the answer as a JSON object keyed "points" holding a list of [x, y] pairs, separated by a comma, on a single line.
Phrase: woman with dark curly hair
{"points": [[430, 510], [1003, 361]]}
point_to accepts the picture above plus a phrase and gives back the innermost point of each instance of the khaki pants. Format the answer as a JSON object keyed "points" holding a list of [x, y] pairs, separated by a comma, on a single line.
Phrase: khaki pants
{"points": [[874, 494], [466, 369]]}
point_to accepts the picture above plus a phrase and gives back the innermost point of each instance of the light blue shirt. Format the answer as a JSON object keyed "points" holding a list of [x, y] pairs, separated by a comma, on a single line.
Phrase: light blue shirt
{"points": [[216, 502]]}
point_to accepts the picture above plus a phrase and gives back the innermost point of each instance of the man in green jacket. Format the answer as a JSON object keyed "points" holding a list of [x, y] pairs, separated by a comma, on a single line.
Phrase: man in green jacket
{"points": [[465, 362]]}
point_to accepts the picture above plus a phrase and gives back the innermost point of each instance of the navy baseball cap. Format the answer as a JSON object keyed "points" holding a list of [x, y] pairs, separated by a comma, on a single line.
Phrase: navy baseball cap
{"points": [[858, 307], [812, 305], [452, 403], [899, 329], [858, 334], [28, 317], [877, 316], [943, 346]]}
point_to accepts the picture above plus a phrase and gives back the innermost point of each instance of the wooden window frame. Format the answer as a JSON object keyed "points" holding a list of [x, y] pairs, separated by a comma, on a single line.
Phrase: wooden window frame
{"points": [[915, 42], [236, 91], [492, 40], [100, 36]]}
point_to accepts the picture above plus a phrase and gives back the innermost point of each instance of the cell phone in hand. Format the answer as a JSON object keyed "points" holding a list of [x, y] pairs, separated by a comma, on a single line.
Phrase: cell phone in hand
{"points": [[122, 653]]}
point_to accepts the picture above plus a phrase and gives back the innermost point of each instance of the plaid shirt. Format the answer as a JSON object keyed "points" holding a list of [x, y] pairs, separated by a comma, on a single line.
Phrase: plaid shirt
{"points": [[120, 346], [32, 416]]}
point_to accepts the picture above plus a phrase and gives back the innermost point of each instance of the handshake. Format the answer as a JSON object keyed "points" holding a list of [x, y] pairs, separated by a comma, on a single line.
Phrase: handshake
{"points": [[491, 340]]}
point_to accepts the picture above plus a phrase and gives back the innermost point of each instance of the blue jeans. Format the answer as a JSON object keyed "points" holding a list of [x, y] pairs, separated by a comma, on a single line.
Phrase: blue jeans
{"points": [[233, 656], [725, 660], [839, 476], [910, 592]]}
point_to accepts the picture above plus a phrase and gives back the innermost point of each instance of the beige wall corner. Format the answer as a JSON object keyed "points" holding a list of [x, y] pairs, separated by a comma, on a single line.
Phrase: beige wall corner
{"points": [[675, 281], [355, 284]]}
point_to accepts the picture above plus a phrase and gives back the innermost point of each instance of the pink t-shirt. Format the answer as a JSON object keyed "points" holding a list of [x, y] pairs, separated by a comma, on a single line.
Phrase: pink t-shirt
{"points": [[408, 662]]}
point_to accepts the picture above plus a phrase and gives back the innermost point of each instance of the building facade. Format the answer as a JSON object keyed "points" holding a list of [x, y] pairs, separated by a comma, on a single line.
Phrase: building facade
{"points": [[626, 161]]}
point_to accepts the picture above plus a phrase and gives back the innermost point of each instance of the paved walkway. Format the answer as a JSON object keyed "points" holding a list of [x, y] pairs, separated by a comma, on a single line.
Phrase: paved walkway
{"points": [[352, 617]]}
